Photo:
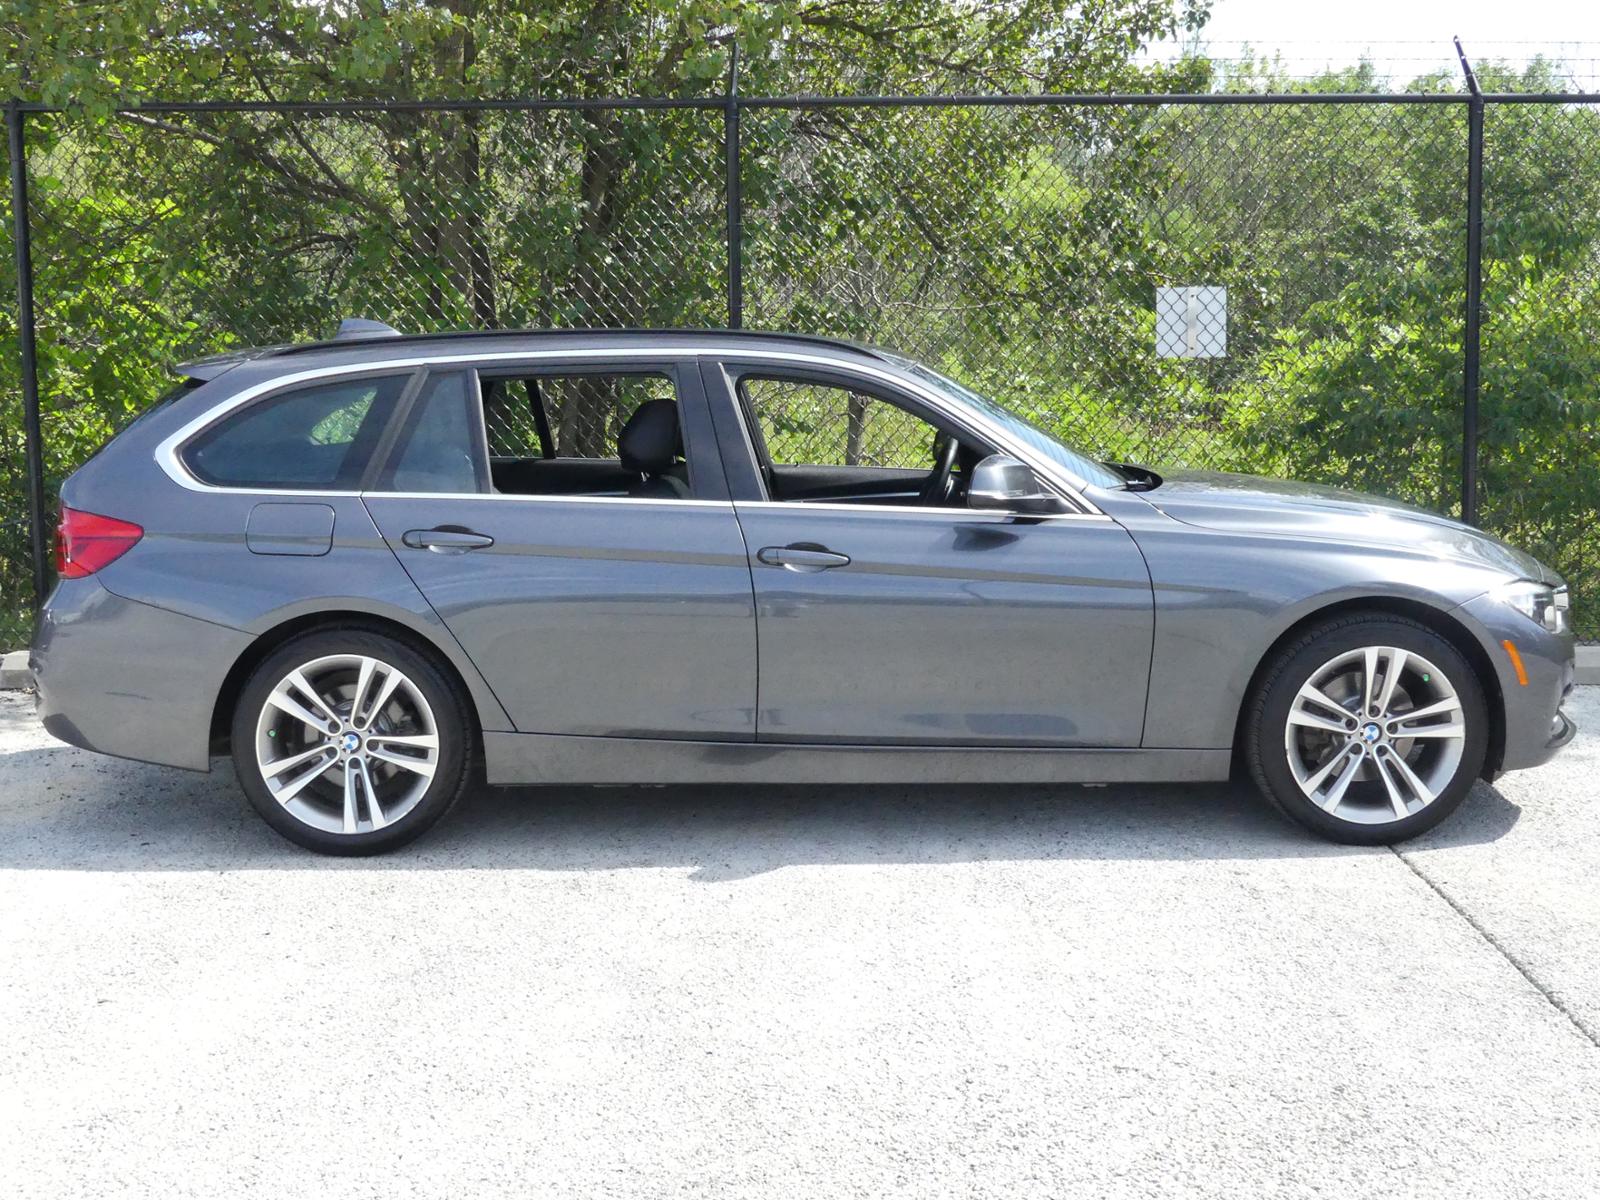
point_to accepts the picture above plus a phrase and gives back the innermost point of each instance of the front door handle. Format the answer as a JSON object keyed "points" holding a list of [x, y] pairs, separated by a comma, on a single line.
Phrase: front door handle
{"points": [[802, 556], [446, 539]]}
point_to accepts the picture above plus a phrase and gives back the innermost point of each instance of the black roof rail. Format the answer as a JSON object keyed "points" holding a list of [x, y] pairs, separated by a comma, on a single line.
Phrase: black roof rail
{"points": [[344, 340]]}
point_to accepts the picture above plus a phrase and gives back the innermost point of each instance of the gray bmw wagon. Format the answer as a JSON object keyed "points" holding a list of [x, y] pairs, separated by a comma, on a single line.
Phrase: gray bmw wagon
{"points": [[379, 568]]}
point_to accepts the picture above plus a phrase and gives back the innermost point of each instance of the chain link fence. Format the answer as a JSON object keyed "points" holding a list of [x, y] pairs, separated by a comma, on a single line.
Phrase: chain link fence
{"points": [[1268, 284], [1024, 250], [1539, 456], [16, 568]]}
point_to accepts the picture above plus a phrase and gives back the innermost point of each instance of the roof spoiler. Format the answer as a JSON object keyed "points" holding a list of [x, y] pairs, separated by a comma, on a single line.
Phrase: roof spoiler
{"points": [[203, 369], [353, 329]]}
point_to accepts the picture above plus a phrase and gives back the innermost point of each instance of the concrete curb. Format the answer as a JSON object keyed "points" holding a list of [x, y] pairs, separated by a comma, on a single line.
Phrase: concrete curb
{"points": [[14, 673]]}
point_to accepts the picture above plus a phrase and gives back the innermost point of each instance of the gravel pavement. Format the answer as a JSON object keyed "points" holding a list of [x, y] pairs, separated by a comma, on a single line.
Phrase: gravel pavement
{"points": [[789, 992]]}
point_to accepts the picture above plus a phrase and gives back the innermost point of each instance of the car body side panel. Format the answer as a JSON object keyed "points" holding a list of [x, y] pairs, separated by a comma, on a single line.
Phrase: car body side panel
{"points": [[1223, 598], [194, 561], [129, 679], [950, 627], [595, 617], [522, 758]]}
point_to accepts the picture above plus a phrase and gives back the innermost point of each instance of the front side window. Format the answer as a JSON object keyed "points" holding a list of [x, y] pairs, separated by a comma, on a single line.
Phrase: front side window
{"points": [[826, 440], [821, 424], [314, 437], [1025, 431]]}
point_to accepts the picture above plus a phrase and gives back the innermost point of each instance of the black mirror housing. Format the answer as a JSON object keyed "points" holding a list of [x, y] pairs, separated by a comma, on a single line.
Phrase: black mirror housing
{"points": [[1001, 483]]}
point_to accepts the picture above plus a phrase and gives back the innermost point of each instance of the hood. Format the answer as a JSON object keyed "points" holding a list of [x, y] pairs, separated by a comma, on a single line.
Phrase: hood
{"points": [[1251, 504]]}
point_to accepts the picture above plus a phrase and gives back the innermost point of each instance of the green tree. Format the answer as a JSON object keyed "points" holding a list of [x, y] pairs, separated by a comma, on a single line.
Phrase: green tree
{"points": [[159, 236]]}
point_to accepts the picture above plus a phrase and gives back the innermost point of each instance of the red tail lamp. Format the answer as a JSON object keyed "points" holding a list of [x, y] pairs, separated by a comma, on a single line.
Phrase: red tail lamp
{"points": [[86, 542]]}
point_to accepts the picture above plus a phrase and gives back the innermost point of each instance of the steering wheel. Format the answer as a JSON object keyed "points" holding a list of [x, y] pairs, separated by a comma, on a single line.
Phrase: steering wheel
{"points": [[936, 491]]}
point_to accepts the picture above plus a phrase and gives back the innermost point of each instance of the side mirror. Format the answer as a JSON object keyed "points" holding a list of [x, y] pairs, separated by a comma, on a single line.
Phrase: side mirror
{"points": [[1002, 483]]}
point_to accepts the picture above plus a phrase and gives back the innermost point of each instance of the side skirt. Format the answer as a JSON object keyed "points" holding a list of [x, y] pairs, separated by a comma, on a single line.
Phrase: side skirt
{"points": [[535, 758]]}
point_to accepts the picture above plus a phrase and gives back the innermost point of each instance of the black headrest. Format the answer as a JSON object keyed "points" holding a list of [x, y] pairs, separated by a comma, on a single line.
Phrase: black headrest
{"points": [[650, 442]]}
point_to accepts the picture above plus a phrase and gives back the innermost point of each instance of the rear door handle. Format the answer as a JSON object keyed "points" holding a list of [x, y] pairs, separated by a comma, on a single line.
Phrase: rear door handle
{"points": [[446, 539], [802, 556]]}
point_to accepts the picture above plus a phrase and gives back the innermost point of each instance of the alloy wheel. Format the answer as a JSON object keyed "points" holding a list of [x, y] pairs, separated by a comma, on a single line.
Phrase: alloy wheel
{"points": [[347, 744], [1375, 735]]}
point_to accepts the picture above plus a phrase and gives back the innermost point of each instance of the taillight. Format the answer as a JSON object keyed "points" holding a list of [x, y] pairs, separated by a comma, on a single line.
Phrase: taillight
{"points": [[86, 541]]}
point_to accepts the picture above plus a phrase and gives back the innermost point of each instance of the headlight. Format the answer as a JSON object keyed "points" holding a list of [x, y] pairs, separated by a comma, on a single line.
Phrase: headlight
{"points": [[1545, 606]]}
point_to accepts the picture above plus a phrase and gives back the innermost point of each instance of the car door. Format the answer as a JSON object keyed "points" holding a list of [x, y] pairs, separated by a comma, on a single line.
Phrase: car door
{"points": [[880, 620], [589, 612]]}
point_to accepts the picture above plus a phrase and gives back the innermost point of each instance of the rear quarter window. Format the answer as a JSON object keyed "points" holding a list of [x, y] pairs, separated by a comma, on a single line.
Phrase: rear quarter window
{"points": [[315, 437], [439, 449]]}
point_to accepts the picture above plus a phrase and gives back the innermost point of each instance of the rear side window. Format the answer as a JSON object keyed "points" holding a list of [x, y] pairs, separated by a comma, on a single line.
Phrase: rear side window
{"points": [[509, 421], [583, 413], [316, 437]]}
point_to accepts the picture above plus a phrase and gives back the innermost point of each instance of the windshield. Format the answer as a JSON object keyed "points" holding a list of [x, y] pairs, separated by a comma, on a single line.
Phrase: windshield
{"points": [[1025, 431]]}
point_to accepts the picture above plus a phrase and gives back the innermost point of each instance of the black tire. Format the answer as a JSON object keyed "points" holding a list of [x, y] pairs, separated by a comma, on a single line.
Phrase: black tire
{"points": [[454, 727], [1294, 665]]}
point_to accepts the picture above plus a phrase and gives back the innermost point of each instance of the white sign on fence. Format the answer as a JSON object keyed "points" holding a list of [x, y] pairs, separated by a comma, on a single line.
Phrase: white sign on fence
{"points": [[1191, 322]]}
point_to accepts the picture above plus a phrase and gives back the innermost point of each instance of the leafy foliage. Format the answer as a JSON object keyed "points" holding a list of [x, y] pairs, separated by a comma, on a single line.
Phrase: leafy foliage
{"points": [[1018, 249]]}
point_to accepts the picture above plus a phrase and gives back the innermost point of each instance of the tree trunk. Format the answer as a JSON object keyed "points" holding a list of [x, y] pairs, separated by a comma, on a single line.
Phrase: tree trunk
{"points": [[855, 429], [589, 417], [441, 182], [484, 308], [593, 402]]}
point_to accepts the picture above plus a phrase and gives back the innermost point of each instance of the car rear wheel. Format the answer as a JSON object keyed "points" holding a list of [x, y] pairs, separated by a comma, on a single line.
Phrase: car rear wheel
{"points": [[1369, 729], [351, 742]]}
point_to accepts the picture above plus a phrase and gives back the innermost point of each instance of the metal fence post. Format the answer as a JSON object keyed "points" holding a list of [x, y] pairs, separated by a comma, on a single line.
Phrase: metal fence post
{"points": [[27, 345], [735, 198], [1472, 335]]}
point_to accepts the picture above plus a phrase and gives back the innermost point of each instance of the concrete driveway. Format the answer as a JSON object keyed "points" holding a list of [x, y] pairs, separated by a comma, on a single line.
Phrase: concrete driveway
{"points": [[863, 992]]}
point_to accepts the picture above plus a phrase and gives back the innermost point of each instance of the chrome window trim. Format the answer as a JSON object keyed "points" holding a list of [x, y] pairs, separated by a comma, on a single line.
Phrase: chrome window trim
{"points": [[168, 458], [964, 514], [168, 454], [509, 497]]}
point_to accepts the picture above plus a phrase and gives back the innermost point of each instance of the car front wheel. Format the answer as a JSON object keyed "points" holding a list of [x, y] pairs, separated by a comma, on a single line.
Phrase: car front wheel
{"points": [[1369, 729], [351, 742]]}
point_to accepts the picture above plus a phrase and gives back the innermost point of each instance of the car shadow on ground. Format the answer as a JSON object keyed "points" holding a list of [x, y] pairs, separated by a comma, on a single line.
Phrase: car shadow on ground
{"points": [[63, 809]]}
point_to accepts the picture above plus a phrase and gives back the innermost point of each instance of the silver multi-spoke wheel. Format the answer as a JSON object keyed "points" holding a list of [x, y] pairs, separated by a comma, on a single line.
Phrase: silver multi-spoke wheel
{"points": [[347, 744], [1375, 735]]}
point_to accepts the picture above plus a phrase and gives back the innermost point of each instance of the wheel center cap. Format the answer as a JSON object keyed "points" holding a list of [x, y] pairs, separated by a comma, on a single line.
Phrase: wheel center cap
{"points": [[351, 742], [1371, 732]]}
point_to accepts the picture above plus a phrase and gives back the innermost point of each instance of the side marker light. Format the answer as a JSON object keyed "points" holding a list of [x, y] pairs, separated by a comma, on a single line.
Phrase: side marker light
{"points": [[1516, 662]]}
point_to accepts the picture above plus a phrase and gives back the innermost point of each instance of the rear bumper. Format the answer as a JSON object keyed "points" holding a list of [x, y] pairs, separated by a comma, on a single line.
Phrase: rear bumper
{"points": [[124, 678], [1535, 725]]}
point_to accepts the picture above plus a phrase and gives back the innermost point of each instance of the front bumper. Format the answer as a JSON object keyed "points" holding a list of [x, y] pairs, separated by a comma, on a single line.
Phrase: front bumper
{"points": [[1564, 731], [124, 678], [1536, 727]]}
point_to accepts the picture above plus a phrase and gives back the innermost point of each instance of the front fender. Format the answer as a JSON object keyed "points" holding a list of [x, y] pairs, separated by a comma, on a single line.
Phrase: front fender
{"points": [[1223, 599]]}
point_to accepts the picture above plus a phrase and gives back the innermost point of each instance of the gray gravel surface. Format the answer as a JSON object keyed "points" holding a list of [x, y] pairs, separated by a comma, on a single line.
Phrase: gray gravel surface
{"points": [[859, 992]]}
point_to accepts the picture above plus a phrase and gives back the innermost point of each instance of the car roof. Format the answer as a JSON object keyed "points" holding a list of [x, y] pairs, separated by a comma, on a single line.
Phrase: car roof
{"points": [[379, 346]]}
